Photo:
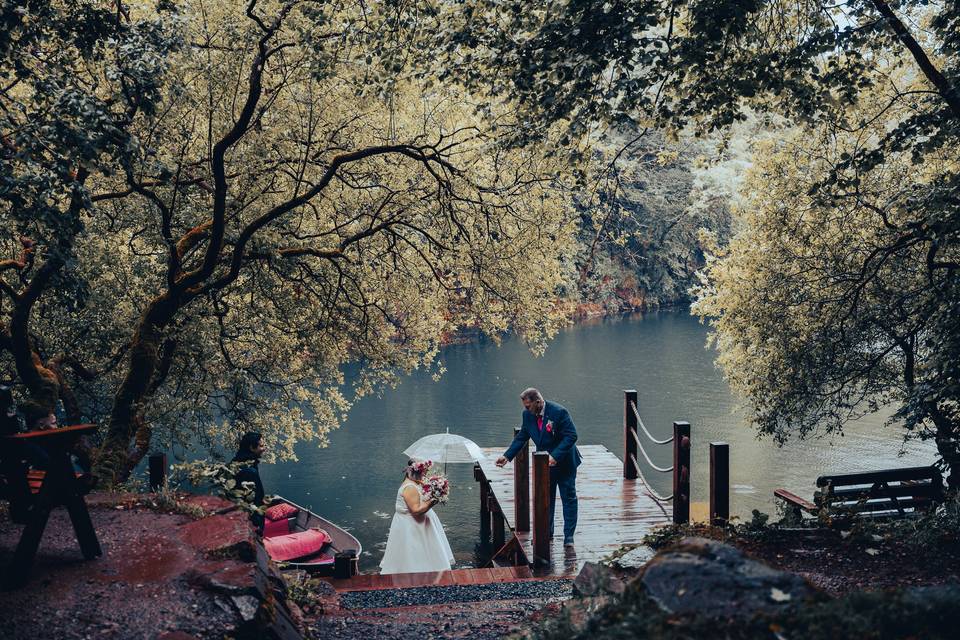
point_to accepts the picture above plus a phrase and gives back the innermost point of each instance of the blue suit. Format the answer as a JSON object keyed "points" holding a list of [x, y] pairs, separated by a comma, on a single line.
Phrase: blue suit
{"points": [[558, 438]]}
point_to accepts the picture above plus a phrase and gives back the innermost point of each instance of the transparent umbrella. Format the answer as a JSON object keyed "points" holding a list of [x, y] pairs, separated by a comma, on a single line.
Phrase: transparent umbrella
{"points": [[445, 447]]}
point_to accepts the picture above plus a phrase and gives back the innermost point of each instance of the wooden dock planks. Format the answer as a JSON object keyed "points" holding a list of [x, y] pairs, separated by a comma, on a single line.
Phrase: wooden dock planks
{"points": [[612, 511]]}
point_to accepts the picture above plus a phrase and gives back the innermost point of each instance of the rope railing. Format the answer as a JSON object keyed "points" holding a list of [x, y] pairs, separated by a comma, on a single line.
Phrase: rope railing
{"points": [[647, 458], [640, 424], [650, 490], [635, 450]]}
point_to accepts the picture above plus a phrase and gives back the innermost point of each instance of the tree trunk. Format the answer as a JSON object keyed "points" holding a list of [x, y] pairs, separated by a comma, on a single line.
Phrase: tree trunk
{"points": [[128, 437]]}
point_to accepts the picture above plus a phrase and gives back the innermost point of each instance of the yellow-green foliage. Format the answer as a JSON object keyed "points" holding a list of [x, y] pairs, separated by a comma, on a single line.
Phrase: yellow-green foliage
{"points": [[437, 228]]}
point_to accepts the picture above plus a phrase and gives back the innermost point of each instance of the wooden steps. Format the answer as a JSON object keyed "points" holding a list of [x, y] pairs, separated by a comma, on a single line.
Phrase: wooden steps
{"points": [[373, 582]]}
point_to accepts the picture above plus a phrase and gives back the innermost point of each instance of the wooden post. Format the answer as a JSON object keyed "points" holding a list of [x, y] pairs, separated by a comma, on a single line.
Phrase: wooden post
{"points": [[158, 471], [629, 431], [541, 507], [499, 533], [719, 483], [521, 487], [681, 472], [484, 498], [344, 564]]}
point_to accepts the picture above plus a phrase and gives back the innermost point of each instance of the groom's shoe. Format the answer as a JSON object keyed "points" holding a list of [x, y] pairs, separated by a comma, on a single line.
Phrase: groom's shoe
{"points": [[568, 542]]}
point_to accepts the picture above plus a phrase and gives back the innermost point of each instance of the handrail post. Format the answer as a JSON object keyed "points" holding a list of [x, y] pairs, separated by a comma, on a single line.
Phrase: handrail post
{"points": [[484, 498], [499, 531], [629, 434], [521, 490], [158, 471], [681, 472], [719, 483], [541, 507]]}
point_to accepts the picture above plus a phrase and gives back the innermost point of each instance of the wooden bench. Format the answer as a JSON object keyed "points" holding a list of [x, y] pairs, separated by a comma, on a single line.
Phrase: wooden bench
{"points": [[875, 494], [34, 494]]}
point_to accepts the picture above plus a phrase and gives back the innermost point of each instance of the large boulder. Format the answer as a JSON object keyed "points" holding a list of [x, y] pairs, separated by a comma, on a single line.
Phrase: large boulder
{"points": [[596, 580], [713, 579]]}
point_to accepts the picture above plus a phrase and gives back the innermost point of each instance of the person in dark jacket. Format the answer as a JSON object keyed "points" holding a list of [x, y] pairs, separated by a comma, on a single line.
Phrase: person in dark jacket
{"points": [[248, 454], [13, 463]]}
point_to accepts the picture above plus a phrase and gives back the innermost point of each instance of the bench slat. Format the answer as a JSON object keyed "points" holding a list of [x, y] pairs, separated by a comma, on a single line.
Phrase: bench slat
{"points": [[881, 505], [885, 475], [926, 490]]}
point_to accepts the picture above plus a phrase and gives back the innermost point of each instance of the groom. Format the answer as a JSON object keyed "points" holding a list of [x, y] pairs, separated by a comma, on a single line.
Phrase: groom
{"points": [[553, 431]]}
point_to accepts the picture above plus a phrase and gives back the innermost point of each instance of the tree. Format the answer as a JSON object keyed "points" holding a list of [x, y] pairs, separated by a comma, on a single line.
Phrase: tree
{"points": [[844, 66], [640, 232], [74, 77], [293, 201], [820, 313]]}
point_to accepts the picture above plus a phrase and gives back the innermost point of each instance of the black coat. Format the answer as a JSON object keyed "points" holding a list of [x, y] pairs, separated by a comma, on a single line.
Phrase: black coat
{"points": [[250, 472]]}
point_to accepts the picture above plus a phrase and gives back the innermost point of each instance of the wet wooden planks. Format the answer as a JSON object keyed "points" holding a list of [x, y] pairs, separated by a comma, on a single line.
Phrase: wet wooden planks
{"points": [[373, 582], [612, 511]]}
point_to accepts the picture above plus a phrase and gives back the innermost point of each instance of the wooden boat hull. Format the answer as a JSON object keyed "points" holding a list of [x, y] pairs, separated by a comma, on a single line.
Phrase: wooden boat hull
{"points": [[343, 541]]}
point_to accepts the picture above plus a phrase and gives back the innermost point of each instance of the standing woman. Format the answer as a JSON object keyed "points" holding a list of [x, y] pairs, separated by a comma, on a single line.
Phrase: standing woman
{"points": [[416, 542], [248, 459]]}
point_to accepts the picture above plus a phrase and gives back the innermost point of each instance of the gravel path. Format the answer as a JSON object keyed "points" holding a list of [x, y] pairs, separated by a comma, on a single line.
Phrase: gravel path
{"points": [[420, 596], [477, 612]]}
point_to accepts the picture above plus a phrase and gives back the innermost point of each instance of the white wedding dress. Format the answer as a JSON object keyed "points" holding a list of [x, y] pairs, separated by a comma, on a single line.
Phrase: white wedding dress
{"points": [[415, 545]]}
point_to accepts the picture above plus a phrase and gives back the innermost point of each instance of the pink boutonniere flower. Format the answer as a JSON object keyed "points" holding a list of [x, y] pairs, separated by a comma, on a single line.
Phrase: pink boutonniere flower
{"points": [[549, 426]]}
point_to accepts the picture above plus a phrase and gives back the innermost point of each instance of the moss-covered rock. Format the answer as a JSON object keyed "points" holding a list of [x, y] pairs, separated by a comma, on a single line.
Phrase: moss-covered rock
{"points": [[731, 597]]}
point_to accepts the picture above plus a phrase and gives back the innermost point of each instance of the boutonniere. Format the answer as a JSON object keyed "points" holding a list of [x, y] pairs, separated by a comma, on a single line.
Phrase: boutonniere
{"points": [[549, 426]]}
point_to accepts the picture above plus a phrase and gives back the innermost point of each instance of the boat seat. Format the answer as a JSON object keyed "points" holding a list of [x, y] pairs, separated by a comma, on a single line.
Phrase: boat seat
{"points": [[273, 528]]}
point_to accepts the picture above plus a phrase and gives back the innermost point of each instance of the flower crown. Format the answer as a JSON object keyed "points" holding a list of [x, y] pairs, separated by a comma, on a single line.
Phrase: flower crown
{"points": [[421, 466]]}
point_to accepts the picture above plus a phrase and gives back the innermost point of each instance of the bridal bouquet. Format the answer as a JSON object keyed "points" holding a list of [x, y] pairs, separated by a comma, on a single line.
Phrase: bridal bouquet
{"points": [[437, 487]]}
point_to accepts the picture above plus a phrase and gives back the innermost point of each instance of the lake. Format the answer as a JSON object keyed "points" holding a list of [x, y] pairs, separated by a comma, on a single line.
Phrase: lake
{"points": [[586, 368]]}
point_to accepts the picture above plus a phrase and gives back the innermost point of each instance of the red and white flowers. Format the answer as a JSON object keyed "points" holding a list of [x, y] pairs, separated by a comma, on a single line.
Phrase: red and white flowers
{"points": [[436, 487], [420, 467]]}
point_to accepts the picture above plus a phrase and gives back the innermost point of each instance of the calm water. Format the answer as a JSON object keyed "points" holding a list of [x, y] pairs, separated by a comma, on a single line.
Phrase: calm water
{"points": [[662, 355]]}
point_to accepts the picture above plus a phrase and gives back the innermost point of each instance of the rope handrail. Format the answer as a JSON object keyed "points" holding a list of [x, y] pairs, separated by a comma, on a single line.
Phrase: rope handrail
{"points": [[650, 491], [633, 405], [647, 458]]}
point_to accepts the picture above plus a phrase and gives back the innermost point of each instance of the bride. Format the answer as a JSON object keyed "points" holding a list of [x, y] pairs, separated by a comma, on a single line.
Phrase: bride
{"points": [[416, 542]]}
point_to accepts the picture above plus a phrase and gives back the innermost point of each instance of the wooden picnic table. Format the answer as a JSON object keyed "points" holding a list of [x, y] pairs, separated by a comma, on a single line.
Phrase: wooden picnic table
{"points": [[58, 486]]}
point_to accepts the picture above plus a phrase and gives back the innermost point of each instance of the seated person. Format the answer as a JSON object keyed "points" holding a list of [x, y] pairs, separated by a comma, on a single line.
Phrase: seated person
{"points": [[13, 464], [38, 418], [248, 454], [41, 418]]}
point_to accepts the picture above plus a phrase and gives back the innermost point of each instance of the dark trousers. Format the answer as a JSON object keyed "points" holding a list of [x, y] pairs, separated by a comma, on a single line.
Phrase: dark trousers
{"points": [[567, 485]]}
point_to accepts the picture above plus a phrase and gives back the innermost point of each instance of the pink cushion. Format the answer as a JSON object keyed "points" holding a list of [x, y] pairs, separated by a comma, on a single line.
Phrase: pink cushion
{"points": [[273, 528], [296, 545], [280, 511]]}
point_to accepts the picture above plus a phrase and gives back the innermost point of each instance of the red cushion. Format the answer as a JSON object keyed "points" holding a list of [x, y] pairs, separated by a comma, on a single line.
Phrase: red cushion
{"points": [[296, 545], [273, 528], [280, 511]]}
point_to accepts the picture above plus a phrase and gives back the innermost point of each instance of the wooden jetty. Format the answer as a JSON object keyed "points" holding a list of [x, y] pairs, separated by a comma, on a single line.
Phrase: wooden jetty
{"points": [[617, 505], [613, 511]]}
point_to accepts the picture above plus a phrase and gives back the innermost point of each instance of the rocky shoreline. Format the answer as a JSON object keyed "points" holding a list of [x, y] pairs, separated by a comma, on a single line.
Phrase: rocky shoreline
{"points": [[192, 568]]}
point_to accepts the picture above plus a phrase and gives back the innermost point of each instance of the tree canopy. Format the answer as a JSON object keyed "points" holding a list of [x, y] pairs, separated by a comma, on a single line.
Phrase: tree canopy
{"points": [[842, 293], [211, 206], [219, 203]]}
